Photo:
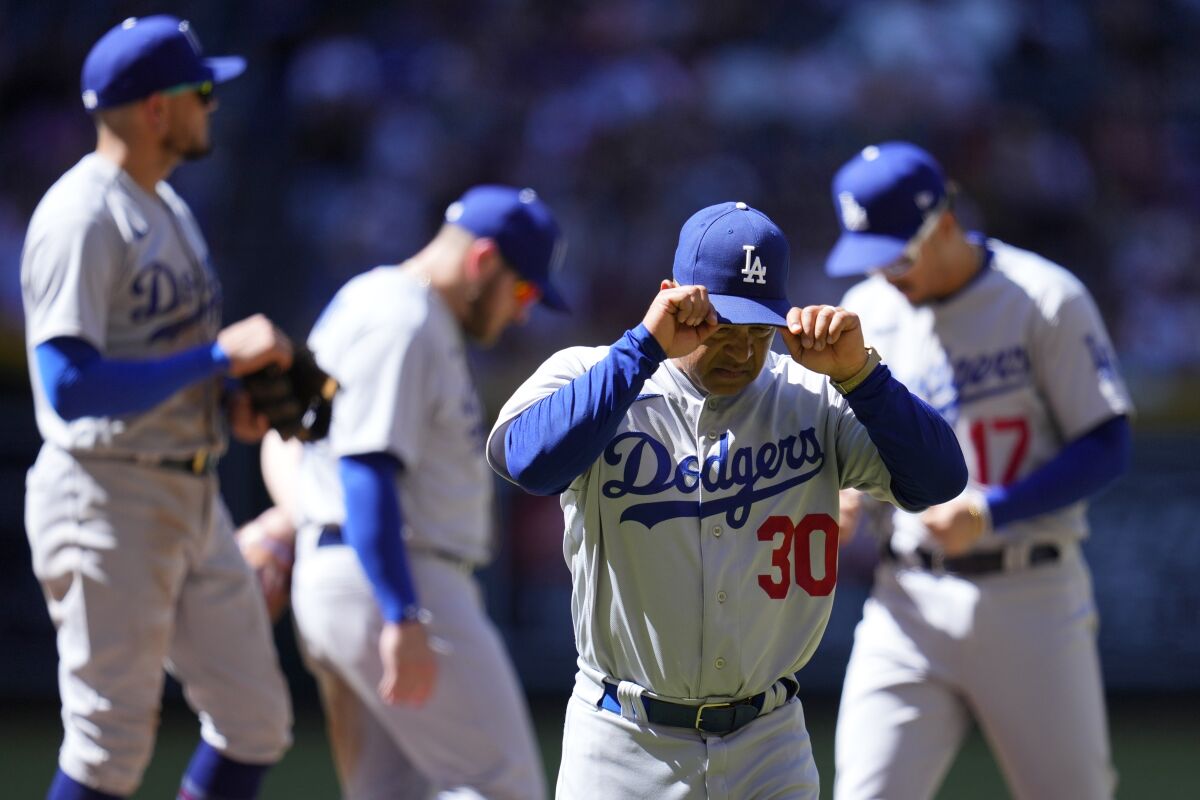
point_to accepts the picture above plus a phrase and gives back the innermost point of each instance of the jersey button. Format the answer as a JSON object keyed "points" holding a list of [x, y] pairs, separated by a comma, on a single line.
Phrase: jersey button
{"points": [[722, 597], [719, 663], [718, 530], [712, 434]]}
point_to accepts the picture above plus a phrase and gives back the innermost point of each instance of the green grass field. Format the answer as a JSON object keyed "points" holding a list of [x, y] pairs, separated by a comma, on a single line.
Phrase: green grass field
{"points": [[1156, 743]]}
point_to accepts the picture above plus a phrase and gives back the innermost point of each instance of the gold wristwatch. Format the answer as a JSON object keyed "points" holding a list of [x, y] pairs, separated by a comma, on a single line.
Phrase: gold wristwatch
{"points": [[850, 384]]}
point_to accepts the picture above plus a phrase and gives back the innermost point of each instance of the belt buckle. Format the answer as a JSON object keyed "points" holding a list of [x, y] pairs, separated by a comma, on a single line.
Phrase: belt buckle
{"points": [[200, 462], [700, 712], [1015, 557]]}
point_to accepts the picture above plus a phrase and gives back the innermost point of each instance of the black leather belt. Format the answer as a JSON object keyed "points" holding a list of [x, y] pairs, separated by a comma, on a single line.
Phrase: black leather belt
{"points": [[717, 718], [971, 563], [202, 463], [331, 535]]}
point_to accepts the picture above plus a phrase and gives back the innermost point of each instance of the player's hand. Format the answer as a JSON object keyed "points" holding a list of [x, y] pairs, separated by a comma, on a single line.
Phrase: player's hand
{"points": [[245, 424], [267, 543], [254, 343], [850, 506], [956, 525], [680, 318], [409, 663], [826, 339]]}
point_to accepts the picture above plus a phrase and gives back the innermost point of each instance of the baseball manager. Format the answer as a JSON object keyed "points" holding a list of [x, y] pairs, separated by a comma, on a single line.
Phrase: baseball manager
{"points": [[699, 474]]}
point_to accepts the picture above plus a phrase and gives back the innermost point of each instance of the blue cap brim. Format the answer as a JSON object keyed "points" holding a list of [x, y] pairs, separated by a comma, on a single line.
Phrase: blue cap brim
{"points": [[734, 310], [856, 253], [552, 299], [225, 68]]}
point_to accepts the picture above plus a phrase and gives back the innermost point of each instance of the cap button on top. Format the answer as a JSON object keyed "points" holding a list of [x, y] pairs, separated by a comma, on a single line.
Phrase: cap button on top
{"points": [[740, 205]]}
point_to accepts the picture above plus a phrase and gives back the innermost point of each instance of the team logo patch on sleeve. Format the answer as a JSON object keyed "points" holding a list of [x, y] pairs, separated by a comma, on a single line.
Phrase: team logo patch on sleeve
{"points": [[1101, 355]]}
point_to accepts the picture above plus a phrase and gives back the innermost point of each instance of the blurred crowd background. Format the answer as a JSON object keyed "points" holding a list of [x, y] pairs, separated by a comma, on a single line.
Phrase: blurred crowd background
{"points": [[1071, 126]]}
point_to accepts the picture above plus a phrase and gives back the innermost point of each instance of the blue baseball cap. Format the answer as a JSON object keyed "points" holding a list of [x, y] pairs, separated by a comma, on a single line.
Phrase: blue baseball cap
{"points": [[882, 197], [522, 227], [741, 257], [144, 55]]}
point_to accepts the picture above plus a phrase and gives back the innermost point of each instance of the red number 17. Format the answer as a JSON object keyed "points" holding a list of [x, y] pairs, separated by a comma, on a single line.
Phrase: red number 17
{"points": [[1010, 427], [793, 555]]}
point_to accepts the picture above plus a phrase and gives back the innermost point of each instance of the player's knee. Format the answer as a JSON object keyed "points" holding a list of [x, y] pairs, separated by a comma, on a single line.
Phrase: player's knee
{"points": [[274, 730], [261, 731], [277, 732], [105, 757]]}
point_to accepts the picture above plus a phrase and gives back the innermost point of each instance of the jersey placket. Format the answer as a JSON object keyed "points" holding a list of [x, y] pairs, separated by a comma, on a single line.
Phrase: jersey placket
{"points": [[718, 674]]}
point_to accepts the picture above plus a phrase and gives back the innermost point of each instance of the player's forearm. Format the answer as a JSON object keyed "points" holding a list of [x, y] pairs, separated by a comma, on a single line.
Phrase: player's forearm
{"points": [[79, 382], [1080, 470], [556, 439], [372, 527], [916, 444], [280, 464]]}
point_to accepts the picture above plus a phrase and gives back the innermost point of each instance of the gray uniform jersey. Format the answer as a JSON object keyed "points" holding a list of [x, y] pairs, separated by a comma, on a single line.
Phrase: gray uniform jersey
{"points": [[703, 542], [405, 390], [1018, 362], [129, 273]]}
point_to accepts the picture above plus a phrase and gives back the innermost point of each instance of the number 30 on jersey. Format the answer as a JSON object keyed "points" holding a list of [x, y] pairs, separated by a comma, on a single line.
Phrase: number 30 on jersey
{"points": [[805, 552]]}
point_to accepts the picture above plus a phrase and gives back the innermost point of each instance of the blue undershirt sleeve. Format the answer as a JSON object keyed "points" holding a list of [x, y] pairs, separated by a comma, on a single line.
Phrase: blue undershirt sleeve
{"points": [[79, 382], [372, 527], [555, 440], [917, 446], [1081, 469]]}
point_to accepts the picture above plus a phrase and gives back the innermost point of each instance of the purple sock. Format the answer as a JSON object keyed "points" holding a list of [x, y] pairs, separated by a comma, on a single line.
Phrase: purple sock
{"points": [[212, 776], [66, 788]]}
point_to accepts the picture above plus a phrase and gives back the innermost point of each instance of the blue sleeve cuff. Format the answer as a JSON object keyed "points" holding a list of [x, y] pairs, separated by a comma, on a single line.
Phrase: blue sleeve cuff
{"points": [[373, 528], [647, 344], [219, 357]]}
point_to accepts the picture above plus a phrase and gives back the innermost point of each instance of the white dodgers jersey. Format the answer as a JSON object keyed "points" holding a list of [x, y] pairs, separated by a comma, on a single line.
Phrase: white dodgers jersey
{"points": [[128, 272], [405, 389], [1018, 362], [703, 541]]}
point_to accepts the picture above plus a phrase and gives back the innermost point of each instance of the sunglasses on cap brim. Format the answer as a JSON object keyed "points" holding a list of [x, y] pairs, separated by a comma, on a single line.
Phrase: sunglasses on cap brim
{"points": [[204, 90]]}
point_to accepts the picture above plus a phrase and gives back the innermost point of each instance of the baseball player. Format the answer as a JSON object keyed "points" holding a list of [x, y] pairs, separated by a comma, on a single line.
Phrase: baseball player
{"points": [[130, 538], [394, 513], [982, 606], [699, 474]]}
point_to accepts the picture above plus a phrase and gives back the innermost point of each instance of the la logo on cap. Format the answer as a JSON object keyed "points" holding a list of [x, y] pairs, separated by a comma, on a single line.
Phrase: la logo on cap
{"points": [[755, 272], [854, 216]]}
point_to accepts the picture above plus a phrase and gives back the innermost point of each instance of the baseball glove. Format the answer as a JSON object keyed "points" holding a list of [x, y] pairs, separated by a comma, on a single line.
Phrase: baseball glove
{"points": [[297, 401]]}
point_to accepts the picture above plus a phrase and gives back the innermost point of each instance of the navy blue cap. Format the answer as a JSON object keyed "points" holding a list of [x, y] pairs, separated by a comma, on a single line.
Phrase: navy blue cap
{"points": [[882, 196], [741, 257], [144, 55], [522, 227]]}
